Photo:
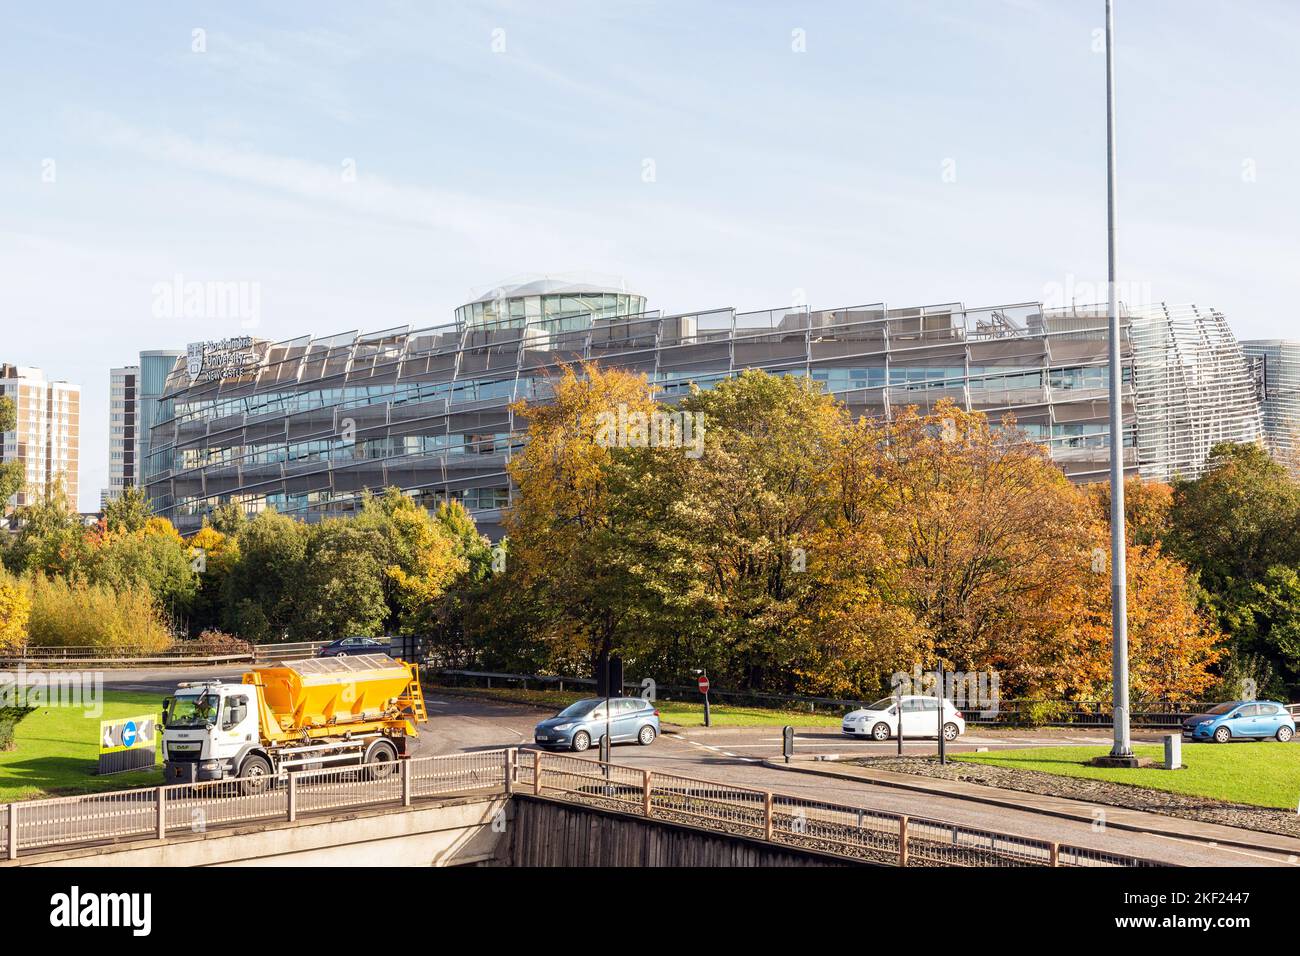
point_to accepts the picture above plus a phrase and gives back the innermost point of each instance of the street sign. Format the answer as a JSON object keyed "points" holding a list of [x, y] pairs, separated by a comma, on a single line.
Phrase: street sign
{"points": [[704, 685], [128, 743]]}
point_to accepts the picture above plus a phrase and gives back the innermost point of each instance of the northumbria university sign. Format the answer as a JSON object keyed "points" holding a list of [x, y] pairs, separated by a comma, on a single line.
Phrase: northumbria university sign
{"points": [[222, 359]]}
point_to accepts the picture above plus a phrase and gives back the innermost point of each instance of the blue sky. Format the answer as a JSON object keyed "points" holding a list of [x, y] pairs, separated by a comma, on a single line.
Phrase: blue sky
{"points": [[746, 154]]}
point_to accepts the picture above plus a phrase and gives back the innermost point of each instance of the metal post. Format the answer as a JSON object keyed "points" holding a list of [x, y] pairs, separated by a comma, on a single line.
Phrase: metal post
{"points": [[406, 782], [899, 706], [767, 816], [1122, 746], [939, 699], [537, 773], [902, 841], [511, 754], [645, 793], [1055, 854], [13, 832], [293, 797], [162, 813]]}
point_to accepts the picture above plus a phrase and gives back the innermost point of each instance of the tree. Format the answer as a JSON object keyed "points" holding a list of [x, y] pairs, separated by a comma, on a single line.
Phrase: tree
{"points": [[15, 609], [564, 526], [127, 513], [154, 557], [989, 531], [261, 589], [341, 588], [417, 554], [51, 539]]}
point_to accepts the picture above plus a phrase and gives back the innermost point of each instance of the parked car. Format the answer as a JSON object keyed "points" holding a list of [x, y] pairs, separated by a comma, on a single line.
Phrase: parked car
{"points": [[583, 723], [920, 718], [1241, 720], [352, 645]]}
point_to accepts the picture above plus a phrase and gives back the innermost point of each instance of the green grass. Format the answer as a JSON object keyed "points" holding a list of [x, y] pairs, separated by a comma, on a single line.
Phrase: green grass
{"points": [[672, 712], [1265, 774], [58, 750]]}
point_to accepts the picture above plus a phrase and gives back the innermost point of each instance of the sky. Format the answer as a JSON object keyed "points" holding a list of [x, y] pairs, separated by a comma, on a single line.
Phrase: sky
{"points": [[362, 166]]}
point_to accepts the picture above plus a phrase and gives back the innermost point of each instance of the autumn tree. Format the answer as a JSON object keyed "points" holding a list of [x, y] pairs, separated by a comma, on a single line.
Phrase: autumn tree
{"points": [[565, 525], [988, 529]]}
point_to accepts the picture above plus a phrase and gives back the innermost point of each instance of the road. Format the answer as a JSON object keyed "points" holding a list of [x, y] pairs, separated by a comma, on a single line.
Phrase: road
{"points": [[734, 755]]}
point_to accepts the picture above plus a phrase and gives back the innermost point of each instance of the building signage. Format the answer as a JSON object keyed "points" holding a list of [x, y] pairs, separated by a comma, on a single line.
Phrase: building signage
{"points": [[221, 359]]}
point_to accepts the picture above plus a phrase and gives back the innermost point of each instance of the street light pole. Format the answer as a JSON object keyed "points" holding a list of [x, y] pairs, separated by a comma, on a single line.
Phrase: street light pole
{"points": [[1122, 746]]}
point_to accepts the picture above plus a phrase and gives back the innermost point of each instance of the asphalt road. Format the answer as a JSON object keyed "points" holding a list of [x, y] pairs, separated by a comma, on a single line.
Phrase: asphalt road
{"points": [[733, 755]]}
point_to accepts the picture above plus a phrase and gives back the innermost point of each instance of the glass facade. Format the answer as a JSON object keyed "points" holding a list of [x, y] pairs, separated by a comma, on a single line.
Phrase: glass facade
{"points": [[312, 423]]}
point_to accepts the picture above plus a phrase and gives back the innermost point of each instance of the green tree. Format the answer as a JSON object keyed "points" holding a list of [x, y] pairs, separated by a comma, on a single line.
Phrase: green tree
{"points": [[51, 538], [129, 513], [261, 591], [341, 588]]}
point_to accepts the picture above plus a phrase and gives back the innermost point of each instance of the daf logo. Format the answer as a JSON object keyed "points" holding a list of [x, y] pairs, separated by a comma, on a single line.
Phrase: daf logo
{"points": [[194, 359]]}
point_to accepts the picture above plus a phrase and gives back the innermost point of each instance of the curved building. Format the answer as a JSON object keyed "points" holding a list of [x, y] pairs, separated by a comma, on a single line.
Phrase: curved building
{"points": [[1277, 365], [306, 425]]}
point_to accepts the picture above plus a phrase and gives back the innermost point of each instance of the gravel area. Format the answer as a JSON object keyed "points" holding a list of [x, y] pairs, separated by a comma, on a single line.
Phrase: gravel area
{"points": [[1203, 809]]}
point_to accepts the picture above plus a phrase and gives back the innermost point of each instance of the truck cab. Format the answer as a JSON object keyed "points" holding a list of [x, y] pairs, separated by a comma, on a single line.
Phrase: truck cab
{"points": [[209, 729]]}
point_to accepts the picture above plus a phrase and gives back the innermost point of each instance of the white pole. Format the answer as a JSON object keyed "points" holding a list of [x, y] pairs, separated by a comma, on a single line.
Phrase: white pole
{"points": [[1122, 746]]}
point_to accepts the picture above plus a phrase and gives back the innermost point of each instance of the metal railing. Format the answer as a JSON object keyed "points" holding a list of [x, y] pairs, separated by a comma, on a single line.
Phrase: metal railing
{"points": [[801, 823], [89, 654]]}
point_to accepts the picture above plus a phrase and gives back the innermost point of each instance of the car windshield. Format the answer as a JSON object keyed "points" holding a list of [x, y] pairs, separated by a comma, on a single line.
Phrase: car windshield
{"points": [[883, 704], [191, 710], [578, 709], [1222, 708]]}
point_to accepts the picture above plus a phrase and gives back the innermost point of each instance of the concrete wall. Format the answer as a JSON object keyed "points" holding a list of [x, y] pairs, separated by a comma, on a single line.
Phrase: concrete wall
{"points": [[545, 833]]}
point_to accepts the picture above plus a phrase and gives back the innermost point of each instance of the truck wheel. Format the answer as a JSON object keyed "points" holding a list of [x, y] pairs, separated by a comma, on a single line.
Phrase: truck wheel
{"points": [[382, 758], [256, 775]]}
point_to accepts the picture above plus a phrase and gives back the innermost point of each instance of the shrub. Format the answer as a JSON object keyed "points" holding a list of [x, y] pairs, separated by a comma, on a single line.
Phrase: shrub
{"points": [[15, 609], [74, 613], [213, 642], [10, 717]]}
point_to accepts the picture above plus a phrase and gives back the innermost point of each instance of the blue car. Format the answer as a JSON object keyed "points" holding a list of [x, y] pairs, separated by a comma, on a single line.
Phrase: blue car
{"points": [[1241, 720], [583, 723]]}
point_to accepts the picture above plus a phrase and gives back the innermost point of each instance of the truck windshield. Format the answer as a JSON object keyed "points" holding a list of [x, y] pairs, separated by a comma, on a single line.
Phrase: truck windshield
{"points": [[191, 710]]}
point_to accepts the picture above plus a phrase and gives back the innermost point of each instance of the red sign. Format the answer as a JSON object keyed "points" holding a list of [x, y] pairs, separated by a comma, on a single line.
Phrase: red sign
{"points": [[704, 685]]}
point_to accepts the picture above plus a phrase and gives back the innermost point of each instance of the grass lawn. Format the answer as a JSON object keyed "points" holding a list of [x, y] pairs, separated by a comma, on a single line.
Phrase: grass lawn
{"points": [[1265, 774], [672, 712], [58, 750]]}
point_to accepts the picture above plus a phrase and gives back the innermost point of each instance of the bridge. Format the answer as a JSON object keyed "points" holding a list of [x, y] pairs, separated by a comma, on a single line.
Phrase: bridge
{"points": [[496, 807]]}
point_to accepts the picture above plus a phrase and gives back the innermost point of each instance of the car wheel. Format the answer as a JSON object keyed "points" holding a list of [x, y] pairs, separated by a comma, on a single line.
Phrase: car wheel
{"points": [[1284, 734], [950, 732], [581, 741], [646, 736], [1222, 735], [880, 731]]}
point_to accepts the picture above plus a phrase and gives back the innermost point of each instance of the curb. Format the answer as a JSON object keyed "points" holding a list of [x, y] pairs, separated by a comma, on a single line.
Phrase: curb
{"points": [[1012, 805]]}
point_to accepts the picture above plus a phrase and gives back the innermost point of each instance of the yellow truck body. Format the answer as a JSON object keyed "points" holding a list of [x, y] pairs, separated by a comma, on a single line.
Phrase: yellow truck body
{"points": [[323, 697]]}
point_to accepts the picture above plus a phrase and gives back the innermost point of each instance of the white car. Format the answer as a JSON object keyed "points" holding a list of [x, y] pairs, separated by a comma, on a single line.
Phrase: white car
{"points": [[879, 721]]}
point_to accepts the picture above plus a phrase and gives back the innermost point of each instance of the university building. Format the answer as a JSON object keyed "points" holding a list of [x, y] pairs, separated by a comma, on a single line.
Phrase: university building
{"points": [[306, 425]]}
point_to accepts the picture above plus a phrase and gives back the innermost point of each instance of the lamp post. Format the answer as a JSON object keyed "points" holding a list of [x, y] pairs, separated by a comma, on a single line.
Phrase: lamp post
{"points": [[1122, 747]]}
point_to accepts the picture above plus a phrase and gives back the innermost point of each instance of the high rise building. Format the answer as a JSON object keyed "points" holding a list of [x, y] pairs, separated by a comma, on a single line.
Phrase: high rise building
{"points": [[1278, 369], [122, 433], [308, 424], [47, 437]]}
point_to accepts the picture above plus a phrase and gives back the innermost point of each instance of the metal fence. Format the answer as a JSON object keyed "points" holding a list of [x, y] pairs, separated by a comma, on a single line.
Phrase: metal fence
{"points": [[1041, 713], [87, 654], [799, 822]]}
